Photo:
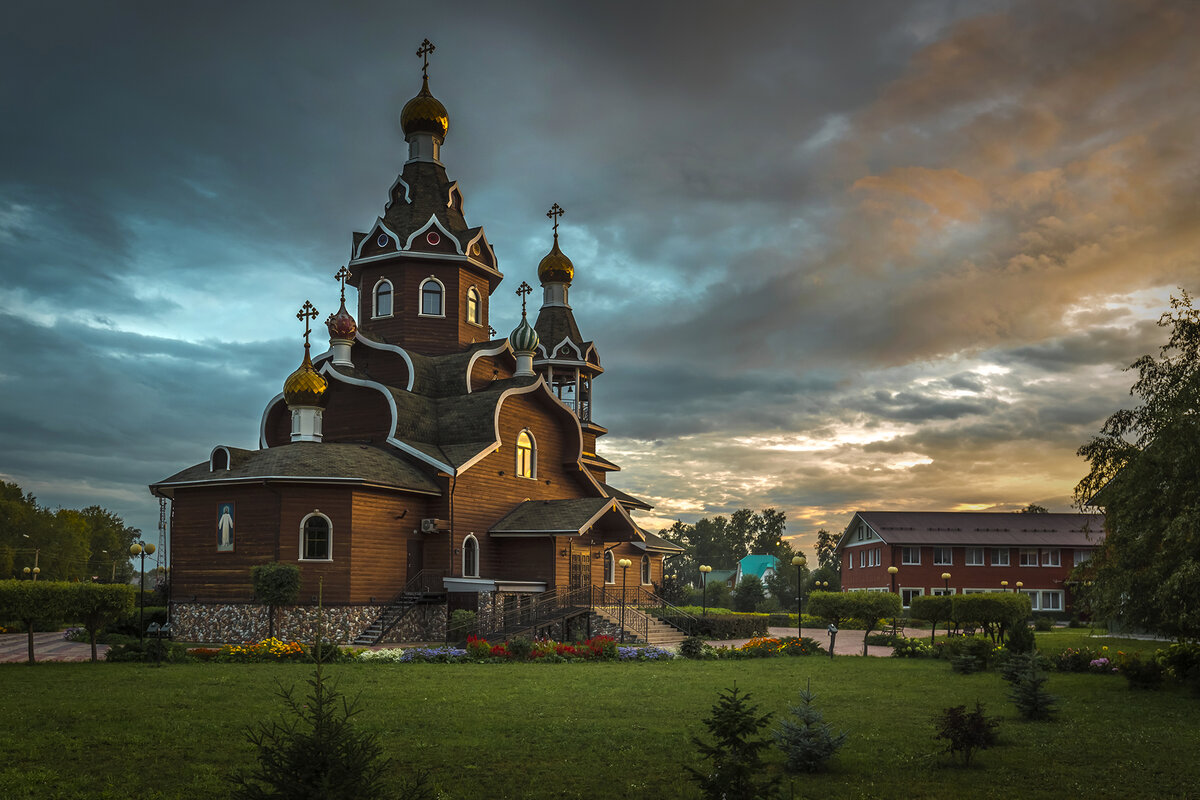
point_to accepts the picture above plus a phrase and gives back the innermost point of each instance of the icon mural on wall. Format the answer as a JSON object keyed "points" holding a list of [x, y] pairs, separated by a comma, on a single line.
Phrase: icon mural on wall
{"points": [[225, 527]]}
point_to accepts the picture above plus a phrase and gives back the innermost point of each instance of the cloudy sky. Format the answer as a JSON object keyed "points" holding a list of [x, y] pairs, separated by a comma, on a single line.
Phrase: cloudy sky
{"points": [[834, 255]]}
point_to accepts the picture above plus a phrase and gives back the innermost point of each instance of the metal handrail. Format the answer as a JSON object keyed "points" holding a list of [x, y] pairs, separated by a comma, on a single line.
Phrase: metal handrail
{"points": [[691, 620]]}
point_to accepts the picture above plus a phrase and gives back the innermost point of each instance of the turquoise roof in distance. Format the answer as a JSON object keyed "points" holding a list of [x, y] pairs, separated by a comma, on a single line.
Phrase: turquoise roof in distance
{"points": [[757, 565]]}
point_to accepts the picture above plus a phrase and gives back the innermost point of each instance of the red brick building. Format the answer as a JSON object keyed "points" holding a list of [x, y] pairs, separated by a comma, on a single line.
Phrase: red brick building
{"points": [[420, 460], [981, 552]]}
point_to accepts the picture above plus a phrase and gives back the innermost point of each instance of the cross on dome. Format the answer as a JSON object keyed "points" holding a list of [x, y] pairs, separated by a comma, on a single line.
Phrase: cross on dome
{"points": [[423, 51], [342, 275], [523, 290], [554, 213], [307, 312]]}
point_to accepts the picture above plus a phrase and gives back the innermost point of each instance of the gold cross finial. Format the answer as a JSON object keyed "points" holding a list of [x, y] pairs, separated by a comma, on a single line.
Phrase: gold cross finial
{"points": [[307, 311], [523, 290], [554, 213], [423, 51], [341, 276]]}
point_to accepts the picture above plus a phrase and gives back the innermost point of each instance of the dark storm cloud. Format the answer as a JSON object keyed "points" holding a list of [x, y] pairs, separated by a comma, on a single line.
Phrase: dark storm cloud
{"points": [[805, 235]]}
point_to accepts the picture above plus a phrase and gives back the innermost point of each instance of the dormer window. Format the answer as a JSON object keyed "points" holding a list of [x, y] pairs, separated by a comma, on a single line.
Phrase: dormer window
{"points": [[526, 455], [383, 299], [473, 307], [218, 460], [433, 295]]}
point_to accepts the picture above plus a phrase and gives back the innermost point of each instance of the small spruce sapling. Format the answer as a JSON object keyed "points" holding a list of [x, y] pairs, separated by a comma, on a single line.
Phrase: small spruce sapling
{"points": [[807, 741], [965, 732], [735, 770], [1028, 691]]}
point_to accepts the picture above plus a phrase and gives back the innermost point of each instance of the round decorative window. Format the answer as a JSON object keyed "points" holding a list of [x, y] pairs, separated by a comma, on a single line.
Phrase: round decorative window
{"points": [[432, 237], [475, 249], [382, 240]]}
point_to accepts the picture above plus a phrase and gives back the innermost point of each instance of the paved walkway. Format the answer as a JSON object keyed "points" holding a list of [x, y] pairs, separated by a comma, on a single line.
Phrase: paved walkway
{"points": [[848, 643], [14, 647]]}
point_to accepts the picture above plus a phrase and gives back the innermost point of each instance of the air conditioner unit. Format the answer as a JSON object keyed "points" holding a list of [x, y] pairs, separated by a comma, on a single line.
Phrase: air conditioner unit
{"points": [[434, 525]]}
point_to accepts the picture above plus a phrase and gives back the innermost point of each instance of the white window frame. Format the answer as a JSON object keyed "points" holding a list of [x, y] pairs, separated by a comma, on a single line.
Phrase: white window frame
{"points": [[974, 556], [906, 552], [913, 591], [1055, 594], [646, 572], [1052, 557], [999, 551], [519, 468], [391, 293], [942, 591], [329, 543], [470, 570], [862, 558], [610, 567], [421, 298], [949, 555], [473, 295], [1029, 557], [1081, 556]]}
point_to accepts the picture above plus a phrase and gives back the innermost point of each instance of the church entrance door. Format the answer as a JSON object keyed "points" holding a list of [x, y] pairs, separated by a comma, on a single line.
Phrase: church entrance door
{"points": [[580, 576], [416, 558]]}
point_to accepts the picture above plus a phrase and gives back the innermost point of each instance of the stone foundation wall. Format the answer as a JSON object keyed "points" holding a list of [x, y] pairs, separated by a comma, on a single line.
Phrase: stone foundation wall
{"points": [[424, 623], [242, 622]]}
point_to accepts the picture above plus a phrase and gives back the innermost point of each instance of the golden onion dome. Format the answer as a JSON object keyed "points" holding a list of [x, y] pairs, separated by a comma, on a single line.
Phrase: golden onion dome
{"points": [[555, 267], [305, 386], [425, 114]]}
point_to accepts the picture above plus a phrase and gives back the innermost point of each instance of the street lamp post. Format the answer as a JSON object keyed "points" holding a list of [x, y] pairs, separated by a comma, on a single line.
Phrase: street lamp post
{"points": [[1019, 585], [1004, 586], [140, 549], [624, 565], [892, 570], [37, 553], [946, 581], [704, 570], [798, 562]]}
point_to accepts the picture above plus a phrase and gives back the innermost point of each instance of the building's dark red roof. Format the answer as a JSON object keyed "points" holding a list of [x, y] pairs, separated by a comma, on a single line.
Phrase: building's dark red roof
{"points": [[982, 528]]}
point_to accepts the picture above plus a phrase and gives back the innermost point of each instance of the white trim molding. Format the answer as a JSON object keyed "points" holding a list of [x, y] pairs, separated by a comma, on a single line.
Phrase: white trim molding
{"points": [[316, 512], [434, 222]]}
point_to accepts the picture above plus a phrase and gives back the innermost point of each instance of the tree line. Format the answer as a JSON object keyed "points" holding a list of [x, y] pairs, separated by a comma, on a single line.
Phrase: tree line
{"points": [[65, 544]]}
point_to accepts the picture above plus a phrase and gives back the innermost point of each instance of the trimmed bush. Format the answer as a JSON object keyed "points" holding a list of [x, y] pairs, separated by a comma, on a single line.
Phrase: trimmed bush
{"points": [[724, 626]]}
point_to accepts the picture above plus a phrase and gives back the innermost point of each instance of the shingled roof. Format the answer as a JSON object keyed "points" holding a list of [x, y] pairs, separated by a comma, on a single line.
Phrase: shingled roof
{"points": [[316, 462], [625, 498], [992, 529], [559, 517]]}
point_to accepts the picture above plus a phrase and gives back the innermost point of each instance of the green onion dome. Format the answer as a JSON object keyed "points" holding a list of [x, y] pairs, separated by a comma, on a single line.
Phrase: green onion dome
{"points": [[524, 338]]}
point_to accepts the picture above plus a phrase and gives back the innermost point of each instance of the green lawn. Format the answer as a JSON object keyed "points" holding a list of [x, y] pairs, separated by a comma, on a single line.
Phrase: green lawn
{"points": [[586, 730]]}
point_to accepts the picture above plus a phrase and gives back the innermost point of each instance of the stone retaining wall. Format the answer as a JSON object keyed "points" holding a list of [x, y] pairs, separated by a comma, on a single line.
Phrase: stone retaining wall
{"points": [[243, 622]]}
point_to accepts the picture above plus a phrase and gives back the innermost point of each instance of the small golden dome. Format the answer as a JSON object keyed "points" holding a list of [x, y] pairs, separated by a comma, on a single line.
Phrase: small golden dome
{"points": [[556, 267], [425, 114], [305, 386]]}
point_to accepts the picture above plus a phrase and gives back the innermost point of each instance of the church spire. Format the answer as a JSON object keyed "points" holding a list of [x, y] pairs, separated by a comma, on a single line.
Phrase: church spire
{"points": [[555, 271], [524, 339], [304, 390]]}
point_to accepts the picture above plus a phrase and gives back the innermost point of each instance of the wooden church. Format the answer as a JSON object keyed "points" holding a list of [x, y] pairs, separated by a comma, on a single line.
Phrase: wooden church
{"points": [[419, 465]]}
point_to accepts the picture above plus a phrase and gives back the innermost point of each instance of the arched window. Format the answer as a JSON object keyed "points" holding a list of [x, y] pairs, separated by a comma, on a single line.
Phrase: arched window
{"points": [[383, 298], [316, 538], [526, 455], [470, 557], [218, 460], [646, 570], [610, 567], [432, 296], [473, 307]]}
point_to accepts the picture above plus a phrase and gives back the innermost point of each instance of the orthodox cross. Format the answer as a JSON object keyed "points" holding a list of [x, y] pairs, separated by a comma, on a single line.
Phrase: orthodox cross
{"points": [[423, 51], [554, 213], [491, 331], [341, 275], [307, 311], [524, 289]]}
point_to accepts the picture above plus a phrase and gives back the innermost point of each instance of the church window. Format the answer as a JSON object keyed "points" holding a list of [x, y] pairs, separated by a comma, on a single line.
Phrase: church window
{"points": [[646, 570], [470, 557], [610, 567], [316, 538], [432, 298], [219, 460], [473, 315], [526, 455], [383, 299]]}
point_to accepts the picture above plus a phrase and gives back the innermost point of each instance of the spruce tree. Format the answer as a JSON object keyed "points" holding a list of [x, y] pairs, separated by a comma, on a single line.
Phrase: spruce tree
{"points": [[807, 741]]}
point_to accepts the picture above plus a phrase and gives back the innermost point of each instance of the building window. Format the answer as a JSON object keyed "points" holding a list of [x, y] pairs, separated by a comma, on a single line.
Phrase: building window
{"points": [[526, 455], [316, 538], [1051, 601], [610, 567], [473, 307], [433, 295], [646, 570], [941, 591], [943, 556], [910, 555], [1029, 557], [470, 557], [1000, 557], [906, 596], [383, 299], [862, 559], [973, 557], [1051, 558], [1082, 556]]}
